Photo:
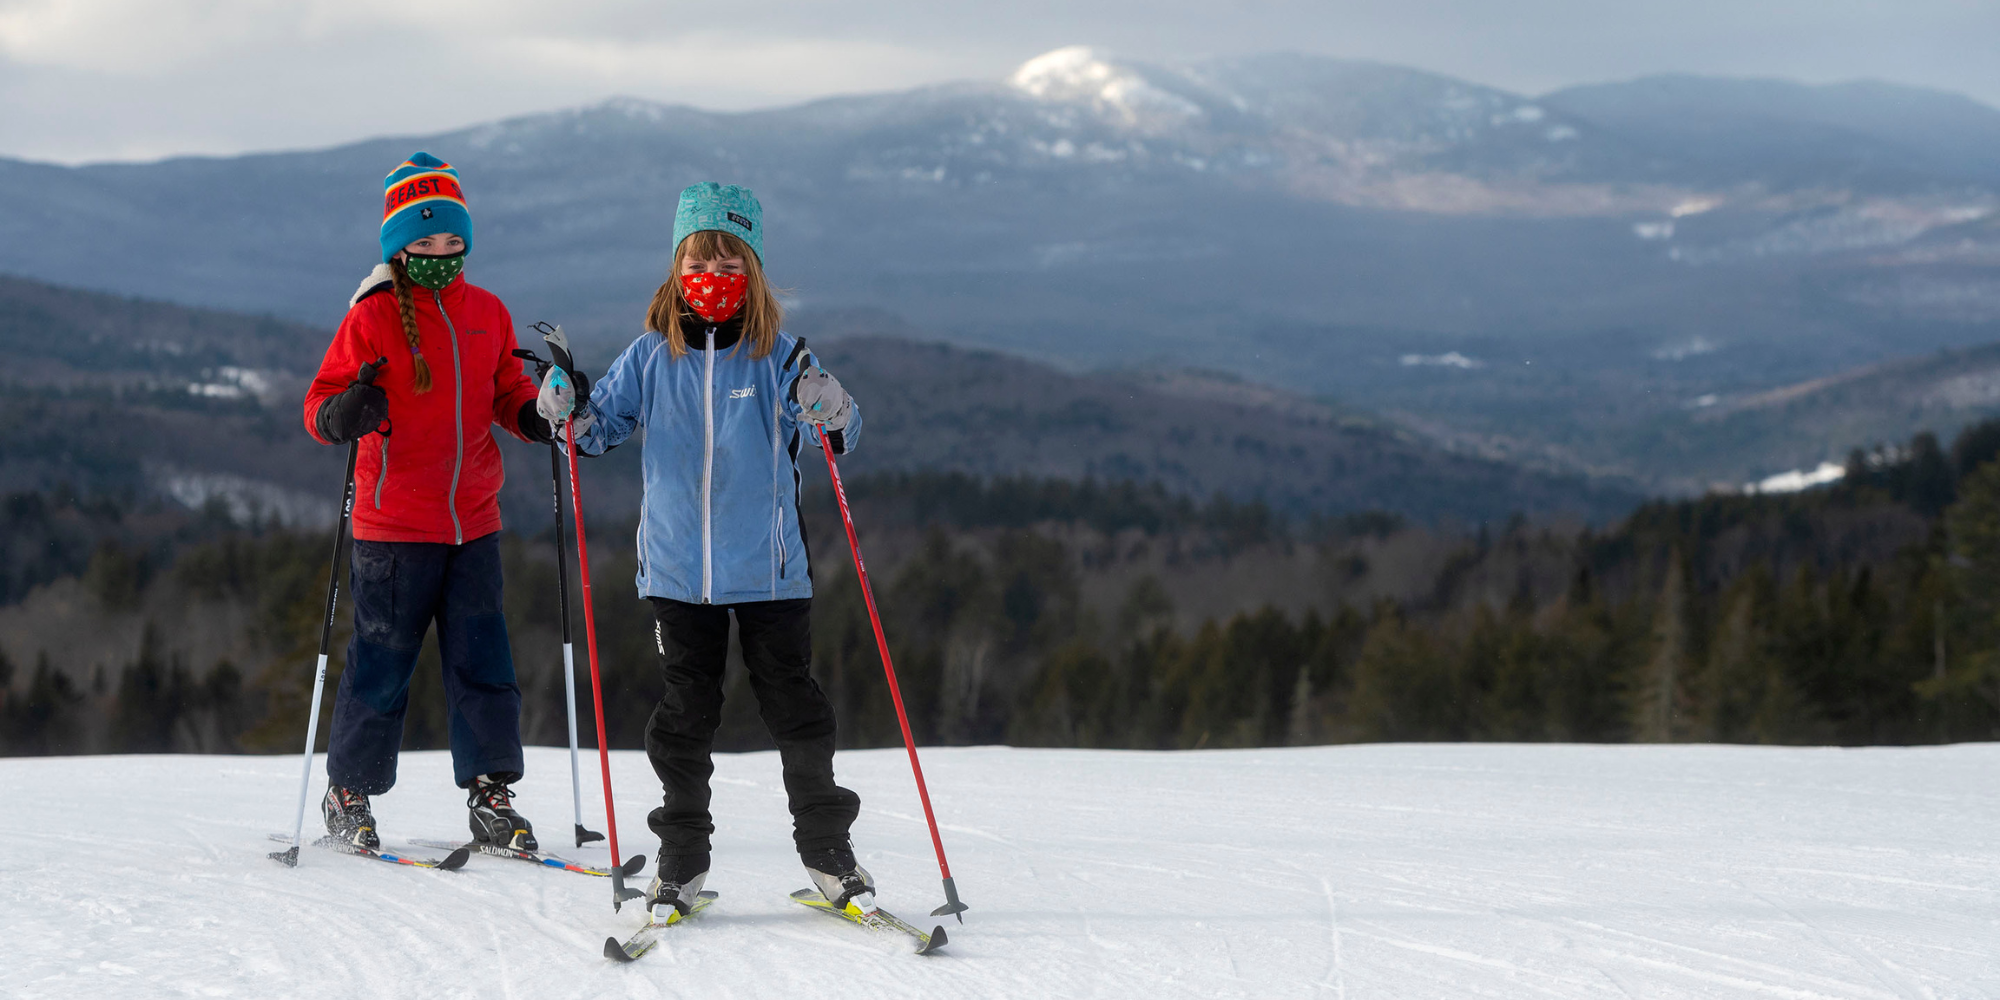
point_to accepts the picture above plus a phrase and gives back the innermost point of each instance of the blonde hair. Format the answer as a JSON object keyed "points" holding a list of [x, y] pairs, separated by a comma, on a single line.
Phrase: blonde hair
{"points": [[762, 316], [408, 308]]}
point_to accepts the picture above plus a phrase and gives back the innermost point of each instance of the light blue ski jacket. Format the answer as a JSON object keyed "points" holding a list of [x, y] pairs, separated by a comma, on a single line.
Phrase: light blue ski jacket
{"points": [[720, 438]]}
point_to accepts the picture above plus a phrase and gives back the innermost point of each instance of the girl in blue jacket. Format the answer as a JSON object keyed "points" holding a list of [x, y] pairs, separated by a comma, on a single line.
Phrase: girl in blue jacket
{"points": [[726, 400]]}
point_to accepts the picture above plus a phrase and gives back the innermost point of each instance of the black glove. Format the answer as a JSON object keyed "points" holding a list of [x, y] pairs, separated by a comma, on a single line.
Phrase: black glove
{"points": [[533, 427], [357, 410]]}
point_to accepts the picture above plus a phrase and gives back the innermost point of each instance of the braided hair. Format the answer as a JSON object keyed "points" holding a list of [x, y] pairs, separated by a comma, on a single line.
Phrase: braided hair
{"points": [[408, 307]]}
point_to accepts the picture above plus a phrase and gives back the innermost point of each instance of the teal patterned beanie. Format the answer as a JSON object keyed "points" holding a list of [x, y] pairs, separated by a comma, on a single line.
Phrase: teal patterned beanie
{"points": [[421, 197], [724, 208]]}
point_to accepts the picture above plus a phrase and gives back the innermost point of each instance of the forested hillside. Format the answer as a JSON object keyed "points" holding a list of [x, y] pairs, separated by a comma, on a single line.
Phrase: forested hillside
{"points": [[1063, 613]]}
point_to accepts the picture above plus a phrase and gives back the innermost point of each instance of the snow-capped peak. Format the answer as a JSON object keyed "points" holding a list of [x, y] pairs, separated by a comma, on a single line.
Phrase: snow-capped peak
{"points": [[1079, 73], [1076, 71]]}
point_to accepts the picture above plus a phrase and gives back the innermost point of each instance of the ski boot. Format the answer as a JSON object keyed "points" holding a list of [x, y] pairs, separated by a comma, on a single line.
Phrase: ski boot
{"points": [[348, 817], [494, 820], [844, 883], [676, 886]]}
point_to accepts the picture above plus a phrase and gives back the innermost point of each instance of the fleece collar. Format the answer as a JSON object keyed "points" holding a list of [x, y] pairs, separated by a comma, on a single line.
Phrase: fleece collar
{"points": [[381, 279]]}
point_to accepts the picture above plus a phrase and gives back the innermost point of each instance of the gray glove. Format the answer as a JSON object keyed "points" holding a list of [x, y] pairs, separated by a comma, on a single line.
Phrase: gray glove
{"points": [[558, 399], [821, 398]]}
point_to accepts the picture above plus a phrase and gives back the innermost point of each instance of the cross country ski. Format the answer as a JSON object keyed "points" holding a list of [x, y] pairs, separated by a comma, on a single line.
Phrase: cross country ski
{"points": [[632, 866], [450, 862], [643, 940], [875, 919]]}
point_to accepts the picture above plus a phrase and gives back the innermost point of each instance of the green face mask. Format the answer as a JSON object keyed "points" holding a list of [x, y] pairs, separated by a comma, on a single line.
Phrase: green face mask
{"points": [[433, 272]]}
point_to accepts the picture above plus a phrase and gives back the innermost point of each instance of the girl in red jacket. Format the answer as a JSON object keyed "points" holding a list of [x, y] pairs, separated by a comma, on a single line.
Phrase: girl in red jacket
{"points": [[426, 509]]}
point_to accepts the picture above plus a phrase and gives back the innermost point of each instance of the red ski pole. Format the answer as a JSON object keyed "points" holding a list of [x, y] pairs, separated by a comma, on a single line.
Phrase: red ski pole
{"points": [[619, 894], [951, 903]]}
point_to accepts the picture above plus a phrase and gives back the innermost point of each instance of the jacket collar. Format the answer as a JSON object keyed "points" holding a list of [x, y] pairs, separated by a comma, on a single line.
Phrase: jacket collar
{"points": [[695, 329], [381, 279]]}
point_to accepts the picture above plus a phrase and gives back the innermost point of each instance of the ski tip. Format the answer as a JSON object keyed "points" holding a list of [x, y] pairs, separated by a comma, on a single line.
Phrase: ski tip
{"points": [[615, 951], [938, 940], [289, 857], [455, 860]]}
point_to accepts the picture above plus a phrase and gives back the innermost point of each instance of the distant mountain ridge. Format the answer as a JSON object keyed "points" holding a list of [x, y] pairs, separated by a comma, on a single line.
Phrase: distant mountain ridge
{"points": [[1071, 158], [1869, 132], [126, 396], [1294, 220]]}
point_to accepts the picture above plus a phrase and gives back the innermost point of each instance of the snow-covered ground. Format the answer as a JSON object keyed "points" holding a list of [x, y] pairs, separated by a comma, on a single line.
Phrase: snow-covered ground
{"points": [[1369, 871]]}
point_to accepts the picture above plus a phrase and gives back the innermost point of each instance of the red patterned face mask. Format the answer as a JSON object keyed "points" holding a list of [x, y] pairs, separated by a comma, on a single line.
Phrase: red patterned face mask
{"points": [[714, 297]]}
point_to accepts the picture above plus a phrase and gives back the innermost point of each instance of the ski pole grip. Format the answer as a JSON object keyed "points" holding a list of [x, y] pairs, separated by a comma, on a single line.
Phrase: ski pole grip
{"points": [[565, 363], [366, 376]]}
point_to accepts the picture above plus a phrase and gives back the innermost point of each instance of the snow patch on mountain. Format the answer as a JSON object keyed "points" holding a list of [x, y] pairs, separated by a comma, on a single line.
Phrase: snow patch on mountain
{"points": [[1449, 359], [1082, 74], [248, 501], [1799, 480]]}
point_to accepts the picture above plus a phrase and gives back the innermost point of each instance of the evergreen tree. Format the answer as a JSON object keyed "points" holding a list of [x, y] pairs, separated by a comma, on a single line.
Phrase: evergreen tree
{"points": [[1406, 687], [1740, 659], [1967, 696], [1658, 696], [44, 720], [154, 695]]}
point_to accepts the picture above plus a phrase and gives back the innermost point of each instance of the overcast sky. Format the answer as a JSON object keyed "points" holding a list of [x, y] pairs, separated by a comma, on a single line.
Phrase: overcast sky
{"points": [[84, 80]]}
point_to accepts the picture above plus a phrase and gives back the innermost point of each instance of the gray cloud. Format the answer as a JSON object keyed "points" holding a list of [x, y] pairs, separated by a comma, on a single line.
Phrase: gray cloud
{"points": [[125, 79]]}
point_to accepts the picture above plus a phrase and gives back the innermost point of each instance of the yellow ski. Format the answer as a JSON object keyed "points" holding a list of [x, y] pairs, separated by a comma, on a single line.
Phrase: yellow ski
{"points": [[878, 920]]}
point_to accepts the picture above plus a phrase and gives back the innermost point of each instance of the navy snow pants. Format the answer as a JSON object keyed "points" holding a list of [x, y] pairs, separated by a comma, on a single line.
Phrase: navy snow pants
{"points": [[399, 589]]}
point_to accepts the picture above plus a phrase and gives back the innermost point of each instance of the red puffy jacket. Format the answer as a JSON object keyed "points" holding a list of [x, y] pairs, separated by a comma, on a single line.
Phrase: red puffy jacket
{"points": [[437, 476]]}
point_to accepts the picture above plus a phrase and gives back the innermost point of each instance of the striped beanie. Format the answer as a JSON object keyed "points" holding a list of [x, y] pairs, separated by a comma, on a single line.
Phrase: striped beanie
{"points": [[724, 208], [419, 198]]}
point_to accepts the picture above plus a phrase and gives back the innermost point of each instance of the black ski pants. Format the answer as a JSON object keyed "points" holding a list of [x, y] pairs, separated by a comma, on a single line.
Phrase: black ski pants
{"points": [[693, 640]]}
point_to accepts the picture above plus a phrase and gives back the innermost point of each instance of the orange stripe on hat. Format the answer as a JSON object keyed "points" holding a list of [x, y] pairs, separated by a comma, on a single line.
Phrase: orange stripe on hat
{"points": [[430, 186]]}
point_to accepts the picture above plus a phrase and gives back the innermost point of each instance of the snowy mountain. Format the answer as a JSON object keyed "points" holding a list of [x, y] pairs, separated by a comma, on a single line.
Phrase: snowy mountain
{"points": [[1296, 220], [1079, 160], [1414, 871]]}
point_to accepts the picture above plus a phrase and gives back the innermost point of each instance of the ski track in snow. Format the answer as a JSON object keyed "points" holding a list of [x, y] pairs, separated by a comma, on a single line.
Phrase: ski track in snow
{"points": [[1397, 871]]}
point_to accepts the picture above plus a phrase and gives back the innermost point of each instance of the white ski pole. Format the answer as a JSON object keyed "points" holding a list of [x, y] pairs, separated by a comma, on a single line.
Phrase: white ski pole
{"points": [[290, 855], [583, 835]]}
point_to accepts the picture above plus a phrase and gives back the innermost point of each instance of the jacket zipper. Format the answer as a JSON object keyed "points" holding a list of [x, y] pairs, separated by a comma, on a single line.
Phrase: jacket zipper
{"points": [[458, 394], [384, 477], [707, 466], [777, 508]]}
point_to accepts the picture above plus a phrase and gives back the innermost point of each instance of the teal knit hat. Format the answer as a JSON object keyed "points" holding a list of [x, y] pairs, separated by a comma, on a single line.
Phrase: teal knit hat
{"points": [[723, 208], [419, 198]]}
